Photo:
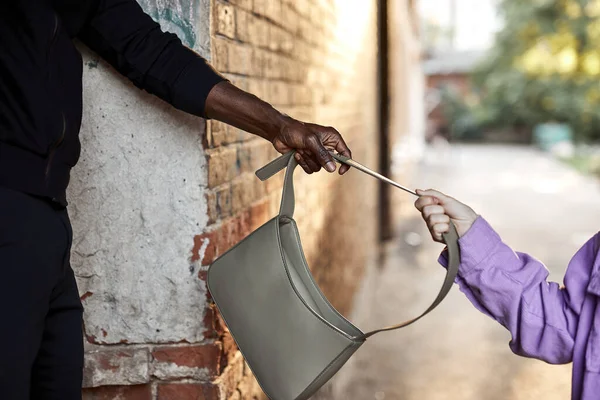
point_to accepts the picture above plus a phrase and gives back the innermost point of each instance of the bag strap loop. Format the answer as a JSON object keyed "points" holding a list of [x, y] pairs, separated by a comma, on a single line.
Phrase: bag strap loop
{"points": [[287, 210], [288, 200]]}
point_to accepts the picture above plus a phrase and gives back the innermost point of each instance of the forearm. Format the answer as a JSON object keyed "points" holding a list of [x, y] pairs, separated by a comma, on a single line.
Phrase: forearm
{"points": [[233, 106], [512, 288]]}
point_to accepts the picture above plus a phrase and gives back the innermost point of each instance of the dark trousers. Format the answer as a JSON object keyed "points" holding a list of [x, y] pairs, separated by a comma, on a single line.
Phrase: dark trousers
{"points": [[41, 342]]}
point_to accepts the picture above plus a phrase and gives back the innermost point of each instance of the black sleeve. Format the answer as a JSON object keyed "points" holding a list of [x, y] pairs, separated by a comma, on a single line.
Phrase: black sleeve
{"points": [[156, 61]]}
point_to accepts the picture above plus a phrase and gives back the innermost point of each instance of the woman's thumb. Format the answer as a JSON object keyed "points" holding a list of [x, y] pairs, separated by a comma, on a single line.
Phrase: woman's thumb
{"points": [[433, 193]]}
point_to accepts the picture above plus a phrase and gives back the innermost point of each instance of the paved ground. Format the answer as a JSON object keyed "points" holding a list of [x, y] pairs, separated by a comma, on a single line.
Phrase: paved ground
{"points": [[538, 206]]}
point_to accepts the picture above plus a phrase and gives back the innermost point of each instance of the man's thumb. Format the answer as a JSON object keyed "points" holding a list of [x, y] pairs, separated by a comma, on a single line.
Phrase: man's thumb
{"points": [[323, 156]]}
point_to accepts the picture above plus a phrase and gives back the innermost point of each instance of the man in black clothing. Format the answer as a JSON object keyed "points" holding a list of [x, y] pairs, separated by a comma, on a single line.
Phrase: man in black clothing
{"points": [[40, 117]]}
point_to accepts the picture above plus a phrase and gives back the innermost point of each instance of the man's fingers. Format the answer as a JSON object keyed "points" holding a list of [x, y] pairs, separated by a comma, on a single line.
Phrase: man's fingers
{"points": [[302, 163], [342, 148], [310, 161], [344, 168], [320, 153]]}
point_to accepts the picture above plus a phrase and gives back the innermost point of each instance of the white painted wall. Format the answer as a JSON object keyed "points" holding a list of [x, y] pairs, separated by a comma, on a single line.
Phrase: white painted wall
{"points": [[137, 200]]}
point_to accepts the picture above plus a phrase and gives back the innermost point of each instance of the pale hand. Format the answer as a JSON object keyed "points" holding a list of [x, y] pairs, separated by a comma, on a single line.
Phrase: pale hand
{"points": [[439, 210]]}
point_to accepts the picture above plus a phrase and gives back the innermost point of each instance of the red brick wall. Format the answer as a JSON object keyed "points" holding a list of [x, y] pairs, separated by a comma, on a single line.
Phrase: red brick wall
{"points": [[287, 53]]}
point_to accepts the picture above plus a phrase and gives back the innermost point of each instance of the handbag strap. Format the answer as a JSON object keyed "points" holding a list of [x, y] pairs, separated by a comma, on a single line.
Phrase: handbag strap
{"points": [[287, 209]]}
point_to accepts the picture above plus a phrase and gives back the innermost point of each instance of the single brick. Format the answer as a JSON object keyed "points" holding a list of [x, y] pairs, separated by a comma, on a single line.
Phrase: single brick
{"points": [[122, 366], [193, 361], [222, 134], [222, 166], [187, 391], [225, 19], [240, 58], [243, 20]]}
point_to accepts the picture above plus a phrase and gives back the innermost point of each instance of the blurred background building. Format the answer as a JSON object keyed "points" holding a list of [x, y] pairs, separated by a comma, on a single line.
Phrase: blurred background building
{"points": [[493, 102]]}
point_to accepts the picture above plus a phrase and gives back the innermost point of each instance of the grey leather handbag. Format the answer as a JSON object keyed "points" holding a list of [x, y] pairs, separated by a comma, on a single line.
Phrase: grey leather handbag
{"points": [[292, 338]]}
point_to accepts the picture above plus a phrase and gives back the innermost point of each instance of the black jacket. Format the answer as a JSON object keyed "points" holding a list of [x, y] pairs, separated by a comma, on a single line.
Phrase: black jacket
{"points": [[40, 80]]}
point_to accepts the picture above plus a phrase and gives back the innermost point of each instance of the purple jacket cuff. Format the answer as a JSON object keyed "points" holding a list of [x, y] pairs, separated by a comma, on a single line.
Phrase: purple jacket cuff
{"points": [[475, 246]]}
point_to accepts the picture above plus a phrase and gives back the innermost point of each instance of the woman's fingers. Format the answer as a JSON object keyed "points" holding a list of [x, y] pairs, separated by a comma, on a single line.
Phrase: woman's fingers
{"points": [[435, 217], [438, 230], [425, 201], [438, 224], [432, 203], [431, 210]]}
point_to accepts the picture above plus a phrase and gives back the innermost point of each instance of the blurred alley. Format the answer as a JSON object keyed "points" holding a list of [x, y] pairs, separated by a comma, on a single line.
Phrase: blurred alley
{"points": [[539, 206]]}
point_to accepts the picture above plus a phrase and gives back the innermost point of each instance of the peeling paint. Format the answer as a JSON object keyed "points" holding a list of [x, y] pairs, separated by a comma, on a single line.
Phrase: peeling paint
{"points": [[175, 16], [200, 245], [133, 230]]}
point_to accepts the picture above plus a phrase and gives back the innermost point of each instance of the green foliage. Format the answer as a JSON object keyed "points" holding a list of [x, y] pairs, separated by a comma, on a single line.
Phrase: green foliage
{"points": [[544, 67], [466, 121]]}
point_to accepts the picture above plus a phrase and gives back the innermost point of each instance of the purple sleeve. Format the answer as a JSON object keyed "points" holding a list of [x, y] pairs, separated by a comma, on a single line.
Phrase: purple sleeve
{"points": [[512, 288]]}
